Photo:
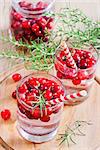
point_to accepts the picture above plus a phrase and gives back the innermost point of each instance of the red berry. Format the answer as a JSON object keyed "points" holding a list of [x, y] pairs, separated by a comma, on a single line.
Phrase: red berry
{"points": [[16, 77], [6, 114], [83, 64], [36, 113], [45, 118], [33, 82], [59, 75], [82, 75], [14, 94], [39, 33], [30, 96], [16, 25], [26, 24], [35, 27], [22, 89], [76, 81], [48, 95], [17, 16], [50, 25], [42, 22]]}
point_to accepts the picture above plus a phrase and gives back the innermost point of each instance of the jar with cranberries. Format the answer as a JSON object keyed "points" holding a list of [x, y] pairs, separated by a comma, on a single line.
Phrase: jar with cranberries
{"points": [[38, 117], [29, 19], [76, 67]]}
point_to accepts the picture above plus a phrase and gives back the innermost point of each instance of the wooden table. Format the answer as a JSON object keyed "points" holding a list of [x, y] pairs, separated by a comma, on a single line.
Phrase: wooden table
{"points": [[89, 110]]}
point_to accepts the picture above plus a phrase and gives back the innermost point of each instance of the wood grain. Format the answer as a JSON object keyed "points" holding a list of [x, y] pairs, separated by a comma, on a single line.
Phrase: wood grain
{"points": [[89, 110]]}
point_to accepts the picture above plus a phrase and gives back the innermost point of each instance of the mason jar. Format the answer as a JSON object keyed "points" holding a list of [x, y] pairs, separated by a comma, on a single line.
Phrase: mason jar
{"points": [[30, 20]]}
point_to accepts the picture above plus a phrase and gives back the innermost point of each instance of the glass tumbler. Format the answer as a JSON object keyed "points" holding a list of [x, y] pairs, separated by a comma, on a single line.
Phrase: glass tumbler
{"points": [[81, 77], [38, 121]]}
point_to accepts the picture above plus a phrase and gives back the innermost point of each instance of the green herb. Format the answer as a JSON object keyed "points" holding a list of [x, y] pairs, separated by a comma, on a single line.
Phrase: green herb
{"points": [[71, 25], [73, 131]]}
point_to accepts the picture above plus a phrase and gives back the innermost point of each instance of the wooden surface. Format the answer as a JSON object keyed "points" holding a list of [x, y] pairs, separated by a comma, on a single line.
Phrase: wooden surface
{"points": [[88, 110]]}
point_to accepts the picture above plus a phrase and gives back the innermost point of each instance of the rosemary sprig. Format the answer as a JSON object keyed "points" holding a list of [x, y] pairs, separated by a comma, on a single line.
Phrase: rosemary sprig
{"points": [[73, 131]]}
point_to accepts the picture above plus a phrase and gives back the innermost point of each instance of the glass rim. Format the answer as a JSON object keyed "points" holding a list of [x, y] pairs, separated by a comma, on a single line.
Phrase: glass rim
{"points": [[32, 75], [29, 12], [96, 51]]}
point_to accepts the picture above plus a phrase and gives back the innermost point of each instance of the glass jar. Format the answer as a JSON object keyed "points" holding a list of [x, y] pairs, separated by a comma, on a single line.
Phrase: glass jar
{"points": [[38, 122], [81, 77], [28, 20]]}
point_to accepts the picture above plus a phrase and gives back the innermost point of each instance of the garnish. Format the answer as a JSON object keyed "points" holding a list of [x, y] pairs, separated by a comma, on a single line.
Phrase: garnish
{"points": [[73, 131]]}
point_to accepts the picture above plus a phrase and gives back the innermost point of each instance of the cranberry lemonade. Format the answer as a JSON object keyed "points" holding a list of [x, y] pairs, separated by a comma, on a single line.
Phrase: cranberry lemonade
{"points": [[38, 119], [28, 21], [76, 74]]}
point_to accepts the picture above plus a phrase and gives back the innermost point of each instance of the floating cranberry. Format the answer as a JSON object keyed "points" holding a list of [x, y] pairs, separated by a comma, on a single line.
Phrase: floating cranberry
{"points": [[42, 22], [48, 95], [36, 113], [6, 114], [17, 16], [16, 77], [14, 95], [35, 28], [26, 24], [45, 118], [16, 25], [50, 25], [22, 89], [83, 64], [59, 75], [33, 82], [82, 75], [76, 81]]}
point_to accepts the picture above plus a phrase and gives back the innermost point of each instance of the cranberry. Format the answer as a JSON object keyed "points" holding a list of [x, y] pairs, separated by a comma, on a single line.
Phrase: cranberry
{"points": [[50, 25], [26, 24], [42, 22], [76, 57], [16, 77], [31, 96], [48, 95], [59, 75], [45, 118], [35, 27], [17, 16], [76, 81], [18, 37], [27, 31], [33, 82], [16, 25], [91, 62], [56, 88], [6, 114], [39, 34], [36, 113], [83, 64], [36, 91], [82, 75], [58, 94], [22, 89], [14, 95]]}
